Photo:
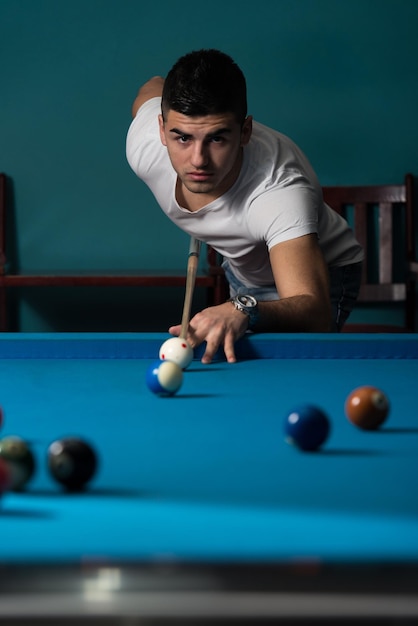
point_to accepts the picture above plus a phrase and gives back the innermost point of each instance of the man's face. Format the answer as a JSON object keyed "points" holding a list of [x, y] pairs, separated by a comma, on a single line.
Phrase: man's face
{"points": [[205, 152]]}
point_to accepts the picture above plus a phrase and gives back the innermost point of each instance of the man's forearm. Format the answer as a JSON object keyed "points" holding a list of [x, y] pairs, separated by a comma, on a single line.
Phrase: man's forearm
{"points": [[295, 314]]}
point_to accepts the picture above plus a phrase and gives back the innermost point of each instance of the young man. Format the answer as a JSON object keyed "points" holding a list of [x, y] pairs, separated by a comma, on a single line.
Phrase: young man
{"points": [[292, 263]]}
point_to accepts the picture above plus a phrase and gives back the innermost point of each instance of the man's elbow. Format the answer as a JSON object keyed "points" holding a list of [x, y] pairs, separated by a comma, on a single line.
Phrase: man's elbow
{"points": [[321, 319], [153, 88]]}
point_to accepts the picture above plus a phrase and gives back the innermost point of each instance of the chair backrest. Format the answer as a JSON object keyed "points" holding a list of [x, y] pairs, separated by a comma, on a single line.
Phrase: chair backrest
{"points": [[2, 223], [382, 217]]}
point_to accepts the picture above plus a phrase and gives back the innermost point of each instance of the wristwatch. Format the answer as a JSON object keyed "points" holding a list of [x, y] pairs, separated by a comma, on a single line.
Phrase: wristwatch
{"points": [[247, 305]]}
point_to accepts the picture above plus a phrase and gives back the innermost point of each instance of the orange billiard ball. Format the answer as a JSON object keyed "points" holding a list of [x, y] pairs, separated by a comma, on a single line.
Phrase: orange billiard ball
{"points": [[367, 407]]}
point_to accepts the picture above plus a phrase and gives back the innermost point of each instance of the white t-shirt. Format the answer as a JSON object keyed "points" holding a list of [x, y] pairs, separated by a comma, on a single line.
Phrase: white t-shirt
{"points": [[276, 197]]}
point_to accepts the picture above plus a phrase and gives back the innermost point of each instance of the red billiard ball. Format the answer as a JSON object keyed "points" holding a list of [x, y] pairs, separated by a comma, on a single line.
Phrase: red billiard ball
{"points": [[5, 476], [72, 462], [307, 427], [367, 407]]}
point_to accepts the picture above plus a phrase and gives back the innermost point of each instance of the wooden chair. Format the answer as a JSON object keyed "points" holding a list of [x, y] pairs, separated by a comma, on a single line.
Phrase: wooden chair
{"points": [[212, 279], [382, 217]]}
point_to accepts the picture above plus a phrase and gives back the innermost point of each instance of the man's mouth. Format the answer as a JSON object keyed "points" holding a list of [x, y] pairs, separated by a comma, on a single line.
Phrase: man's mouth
{"points": [[199, 176]]}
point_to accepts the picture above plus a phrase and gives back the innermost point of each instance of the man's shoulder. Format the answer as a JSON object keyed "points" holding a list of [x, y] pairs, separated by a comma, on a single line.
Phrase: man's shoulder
{"points": [[269, 135], [143, 145], [151, 106]]}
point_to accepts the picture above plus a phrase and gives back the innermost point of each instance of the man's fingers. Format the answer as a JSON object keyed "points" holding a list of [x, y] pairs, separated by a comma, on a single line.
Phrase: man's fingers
{"points": [[229, 349], [212, 348]]}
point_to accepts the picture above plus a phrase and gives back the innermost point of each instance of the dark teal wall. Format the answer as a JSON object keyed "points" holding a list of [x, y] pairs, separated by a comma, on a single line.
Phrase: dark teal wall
{"points": [[339, 76]]}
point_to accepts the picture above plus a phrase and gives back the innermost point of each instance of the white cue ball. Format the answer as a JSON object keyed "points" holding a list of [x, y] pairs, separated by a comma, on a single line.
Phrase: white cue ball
{"points": [[178, 351], [170, 377]]}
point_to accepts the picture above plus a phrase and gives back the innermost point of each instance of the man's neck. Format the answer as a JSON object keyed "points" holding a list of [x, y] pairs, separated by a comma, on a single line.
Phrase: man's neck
{"points": [[190, 200]]}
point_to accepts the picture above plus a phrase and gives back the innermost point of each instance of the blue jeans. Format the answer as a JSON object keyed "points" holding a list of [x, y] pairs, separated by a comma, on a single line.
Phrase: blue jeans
{"points": [[344, 287]]}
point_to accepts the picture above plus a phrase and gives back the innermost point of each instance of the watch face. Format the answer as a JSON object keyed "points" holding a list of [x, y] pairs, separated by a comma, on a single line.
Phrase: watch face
{"points": [[247, 301]]}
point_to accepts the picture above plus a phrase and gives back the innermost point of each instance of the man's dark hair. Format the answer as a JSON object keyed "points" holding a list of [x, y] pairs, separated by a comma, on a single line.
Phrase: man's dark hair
{"points": [[205, 82]]}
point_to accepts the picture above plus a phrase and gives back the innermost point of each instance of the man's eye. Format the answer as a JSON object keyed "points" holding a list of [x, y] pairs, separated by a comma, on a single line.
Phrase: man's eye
{"points": [[183, 138], [217, 139]]}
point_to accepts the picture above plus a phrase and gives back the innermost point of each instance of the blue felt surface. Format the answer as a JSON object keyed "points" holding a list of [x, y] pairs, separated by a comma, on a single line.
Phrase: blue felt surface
{"points": [[206, 475]]}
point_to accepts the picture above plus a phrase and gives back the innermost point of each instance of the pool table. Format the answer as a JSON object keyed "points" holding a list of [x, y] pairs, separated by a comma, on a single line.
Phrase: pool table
{"points": [[200, 512]]}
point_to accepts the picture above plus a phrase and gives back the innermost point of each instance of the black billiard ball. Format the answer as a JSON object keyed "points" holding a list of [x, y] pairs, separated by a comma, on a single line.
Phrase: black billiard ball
{"points": [[18, 455], [367, 407], [307, 427], [72, 462]]}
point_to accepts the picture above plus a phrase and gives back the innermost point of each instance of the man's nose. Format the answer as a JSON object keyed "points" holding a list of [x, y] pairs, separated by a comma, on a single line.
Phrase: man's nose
{"points": [[199, 155]]}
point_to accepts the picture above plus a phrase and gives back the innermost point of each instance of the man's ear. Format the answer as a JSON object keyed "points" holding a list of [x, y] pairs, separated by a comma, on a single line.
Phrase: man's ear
{"points": [[162, 130], [246, 131]]}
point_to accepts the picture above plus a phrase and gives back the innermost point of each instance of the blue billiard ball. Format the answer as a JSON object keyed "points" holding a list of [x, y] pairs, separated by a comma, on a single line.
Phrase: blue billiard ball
{"points": [[306, 427], [164, 378]]}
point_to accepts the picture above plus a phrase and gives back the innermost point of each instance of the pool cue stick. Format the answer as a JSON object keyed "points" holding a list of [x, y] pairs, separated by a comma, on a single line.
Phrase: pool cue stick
{"points": [[192, 265]]}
